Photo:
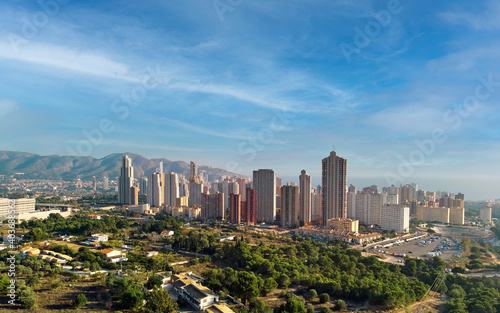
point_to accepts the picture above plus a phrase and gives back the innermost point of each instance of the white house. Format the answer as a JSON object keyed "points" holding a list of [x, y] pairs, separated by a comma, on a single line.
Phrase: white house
{"points": [[99, 237], [114, 256]]}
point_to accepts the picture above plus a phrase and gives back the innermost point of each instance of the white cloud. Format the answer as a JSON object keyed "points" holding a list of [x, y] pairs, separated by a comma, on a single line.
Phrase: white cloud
{"points": [[489, 19], [66, 58]]}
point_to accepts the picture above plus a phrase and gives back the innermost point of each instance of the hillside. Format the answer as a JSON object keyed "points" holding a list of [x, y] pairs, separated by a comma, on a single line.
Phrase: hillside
{"points": [[71, 167]]}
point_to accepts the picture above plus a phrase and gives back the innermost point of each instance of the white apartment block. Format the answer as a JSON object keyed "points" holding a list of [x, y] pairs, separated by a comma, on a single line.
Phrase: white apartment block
{"points": [[395, 217]]}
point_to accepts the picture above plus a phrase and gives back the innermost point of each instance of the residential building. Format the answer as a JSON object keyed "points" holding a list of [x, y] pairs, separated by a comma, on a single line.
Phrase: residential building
{"points": [[485, 215], [171, 189], [134, 195], [305, 210], [264, 183], [126, 180], [212, 206], [14, 207], [457, 216], [334, 188], [290, 206], [156, 185], [395, 217], [235, 208], [343, 224]]}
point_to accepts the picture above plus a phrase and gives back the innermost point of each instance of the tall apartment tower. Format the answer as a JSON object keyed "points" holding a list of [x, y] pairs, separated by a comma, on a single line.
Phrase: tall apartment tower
{"points": [[156, 186], [235, 208], [134, 195], [305, 209], [334, 187], [105, 183], [171, 189], [250, 207], [126, 180], [264, 182], [290, 206], [352, 188], [195, 189], [143, 187], [193, 176]]}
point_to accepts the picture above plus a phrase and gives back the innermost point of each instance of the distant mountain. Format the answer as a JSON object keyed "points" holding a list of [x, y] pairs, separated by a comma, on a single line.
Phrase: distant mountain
{"points": [[72, 167]]}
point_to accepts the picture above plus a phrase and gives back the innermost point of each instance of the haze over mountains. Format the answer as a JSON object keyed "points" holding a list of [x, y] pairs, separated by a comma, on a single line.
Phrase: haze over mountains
{"points": [[71, 167]]}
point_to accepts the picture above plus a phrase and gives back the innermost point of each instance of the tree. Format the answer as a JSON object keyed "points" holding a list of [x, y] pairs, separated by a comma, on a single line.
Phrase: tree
{"points": [[324, 298], [94, 267], [309, 308], [154, 281], [36, 234], [132, 298], [26, 297], [80, 301], [269, 285], [326, 310], [312, 294], [32, 280], [283, 281], [341, 305], [158, 300], [292, 305], [247, 286]]}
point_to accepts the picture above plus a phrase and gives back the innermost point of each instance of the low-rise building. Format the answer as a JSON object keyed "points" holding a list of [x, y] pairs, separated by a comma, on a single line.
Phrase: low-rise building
{"points": [[219, 308], [99, 237], [343, 224], [200, 297], [113, 255], [27, 251]]}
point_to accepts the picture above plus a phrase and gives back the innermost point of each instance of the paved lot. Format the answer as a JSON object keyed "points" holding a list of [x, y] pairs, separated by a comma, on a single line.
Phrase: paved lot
{"points": [[421, 251]]}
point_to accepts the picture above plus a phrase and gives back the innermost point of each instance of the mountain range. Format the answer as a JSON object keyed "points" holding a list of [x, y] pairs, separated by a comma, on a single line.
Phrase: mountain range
{"points": [[71, 167]]}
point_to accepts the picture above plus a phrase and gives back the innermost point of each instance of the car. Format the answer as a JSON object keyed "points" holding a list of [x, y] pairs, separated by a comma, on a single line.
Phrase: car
{"points": [[410, 251]]}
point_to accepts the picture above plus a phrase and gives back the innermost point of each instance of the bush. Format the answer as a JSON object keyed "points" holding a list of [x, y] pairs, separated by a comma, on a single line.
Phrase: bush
{"points": [[80, 301], [326, 310], [312, 294], [26, 297], [341, 305], [309, 308], [56, 285], [324, 298]]}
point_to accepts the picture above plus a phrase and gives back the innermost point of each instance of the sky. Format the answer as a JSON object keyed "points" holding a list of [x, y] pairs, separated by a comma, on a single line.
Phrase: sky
{"points": [[407, 91]]}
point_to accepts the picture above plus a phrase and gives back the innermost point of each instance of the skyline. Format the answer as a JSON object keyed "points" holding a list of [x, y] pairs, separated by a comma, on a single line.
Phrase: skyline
{"points": [[272, 69]]}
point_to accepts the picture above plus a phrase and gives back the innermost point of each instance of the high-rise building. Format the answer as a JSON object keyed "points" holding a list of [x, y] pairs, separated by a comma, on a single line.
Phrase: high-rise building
{"points": [[264, 182], [134, 195], [290, 206], [457, 216], [212, 206], [126, 180], [94, 183], [460, 196], [305, 211], [156, 189], [193, 174], [105, 183], [195, 189], [485, 215], [161, 167], [250, 207], [395, 217], [171, 189], [366, 207], [405, 194], [143, 187], [235, 208], [317, 208], [334, 187], [352, 188]]}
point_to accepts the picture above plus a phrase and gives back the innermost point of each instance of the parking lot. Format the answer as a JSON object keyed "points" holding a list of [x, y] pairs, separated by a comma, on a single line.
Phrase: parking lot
{"points": [[449, 248]]}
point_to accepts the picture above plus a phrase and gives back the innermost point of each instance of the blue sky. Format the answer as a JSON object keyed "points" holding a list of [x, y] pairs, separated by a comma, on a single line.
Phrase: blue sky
{"points": [[245, 84]]}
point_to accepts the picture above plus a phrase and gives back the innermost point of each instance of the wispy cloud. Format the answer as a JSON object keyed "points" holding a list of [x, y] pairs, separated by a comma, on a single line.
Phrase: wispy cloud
{"points": [[488, 19]]}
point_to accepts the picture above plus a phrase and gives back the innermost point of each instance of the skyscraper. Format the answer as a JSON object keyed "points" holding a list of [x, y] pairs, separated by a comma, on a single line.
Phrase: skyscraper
{"points": [[334, 187], [290, 206], [143, 187], [305, 211], [156, 185], [134, 195], [193, 176], [171, 189], [194, 197], [94, 183], [105, 183], [250, 207], [235, 208], [264, 182], [212, 206], [125, 181]]}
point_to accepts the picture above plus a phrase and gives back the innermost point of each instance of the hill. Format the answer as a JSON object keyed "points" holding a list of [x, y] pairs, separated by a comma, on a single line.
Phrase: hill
{"points": [[71, 167]]}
